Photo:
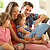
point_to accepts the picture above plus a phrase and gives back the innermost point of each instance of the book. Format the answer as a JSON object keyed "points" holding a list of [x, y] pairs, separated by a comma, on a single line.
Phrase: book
{"points": [[39, 29]]}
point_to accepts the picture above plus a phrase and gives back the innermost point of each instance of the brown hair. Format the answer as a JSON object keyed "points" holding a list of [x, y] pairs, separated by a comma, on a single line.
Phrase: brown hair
{"points": [[10, 7], [19, 17], [3, 17], [27, 3]]}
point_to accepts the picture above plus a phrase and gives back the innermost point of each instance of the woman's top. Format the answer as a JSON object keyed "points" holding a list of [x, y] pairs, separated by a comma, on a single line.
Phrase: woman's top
{"points": [[14, 28]]}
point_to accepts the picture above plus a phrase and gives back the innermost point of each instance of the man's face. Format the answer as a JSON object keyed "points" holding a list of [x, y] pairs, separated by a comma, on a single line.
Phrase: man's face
{"points": [[27, 10]]}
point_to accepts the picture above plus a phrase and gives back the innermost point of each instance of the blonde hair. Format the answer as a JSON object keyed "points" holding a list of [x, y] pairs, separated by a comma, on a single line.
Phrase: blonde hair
{"points": [[3, 17]]}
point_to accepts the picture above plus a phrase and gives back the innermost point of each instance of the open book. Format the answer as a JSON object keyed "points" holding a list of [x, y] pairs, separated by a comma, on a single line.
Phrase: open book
{"points": [[39, 29]]}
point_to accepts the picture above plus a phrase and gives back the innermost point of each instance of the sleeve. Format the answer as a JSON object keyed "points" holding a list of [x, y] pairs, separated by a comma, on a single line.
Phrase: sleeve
{"points": [[18, 26], [34, 16]]}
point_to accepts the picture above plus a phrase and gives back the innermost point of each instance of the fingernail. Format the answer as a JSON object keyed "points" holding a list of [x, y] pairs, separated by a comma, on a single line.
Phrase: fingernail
{"points": [[34, 26], [33, 33], [36, 33]]}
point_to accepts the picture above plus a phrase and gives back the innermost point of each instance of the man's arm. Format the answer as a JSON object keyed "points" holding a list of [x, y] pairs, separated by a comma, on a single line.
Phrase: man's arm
{"points": [[40, 19]]}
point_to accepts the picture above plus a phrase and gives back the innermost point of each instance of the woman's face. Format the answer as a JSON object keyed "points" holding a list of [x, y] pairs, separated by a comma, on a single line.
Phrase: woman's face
{"points": [[15, 12]]}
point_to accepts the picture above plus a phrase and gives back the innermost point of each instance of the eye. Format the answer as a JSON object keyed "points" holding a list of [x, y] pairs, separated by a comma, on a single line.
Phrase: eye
{"points": [[17, 10], [14, 11], [27, 9]]}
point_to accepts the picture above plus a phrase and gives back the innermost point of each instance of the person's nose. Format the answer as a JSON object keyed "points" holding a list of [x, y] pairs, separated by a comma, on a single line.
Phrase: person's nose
{"points": [[28, 12], [16, 13]]}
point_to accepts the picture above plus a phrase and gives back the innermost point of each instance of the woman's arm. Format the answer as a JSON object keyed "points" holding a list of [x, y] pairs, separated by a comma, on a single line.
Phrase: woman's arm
{"points": [[40, 42], [23, 30], [15, 36]]}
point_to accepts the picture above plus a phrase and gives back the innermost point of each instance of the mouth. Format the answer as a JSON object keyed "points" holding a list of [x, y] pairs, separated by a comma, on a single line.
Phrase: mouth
{"points": [[24, 23], [15, 16], [27, 14]]}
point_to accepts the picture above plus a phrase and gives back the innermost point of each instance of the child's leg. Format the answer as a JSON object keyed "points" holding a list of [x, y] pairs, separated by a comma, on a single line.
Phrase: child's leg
{"points": [[6, 46], [1, 47], [19, 46]]}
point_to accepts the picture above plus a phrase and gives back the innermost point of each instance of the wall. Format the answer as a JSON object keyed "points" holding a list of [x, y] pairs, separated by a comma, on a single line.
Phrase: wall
{"points": [[36, 8]]}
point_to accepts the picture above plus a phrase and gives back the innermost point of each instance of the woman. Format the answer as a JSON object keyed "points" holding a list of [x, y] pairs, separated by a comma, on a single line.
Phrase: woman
{"points": [[14, 6]]}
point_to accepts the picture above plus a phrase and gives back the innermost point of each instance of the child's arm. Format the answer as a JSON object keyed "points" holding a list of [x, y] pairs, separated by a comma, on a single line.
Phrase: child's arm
{"points": [[40, 19], [23, 30], [31, 29]]}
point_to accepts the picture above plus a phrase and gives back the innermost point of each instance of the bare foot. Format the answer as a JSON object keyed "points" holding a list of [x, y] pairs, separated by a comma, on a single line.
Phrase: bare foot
{"points": [[44, 42]]}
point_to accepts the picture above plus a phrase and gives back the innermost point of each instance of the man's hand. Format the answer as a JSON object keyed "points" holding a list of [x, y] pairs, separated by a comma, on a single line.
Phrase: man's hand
{"points": [[36, 22], [42, 17]]}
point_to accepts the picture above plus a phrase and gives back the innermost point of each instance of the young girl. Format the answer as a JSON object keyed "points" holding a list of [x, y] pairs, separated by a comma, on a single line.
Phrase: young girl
{"points": [[23, 30], [5, 38]]}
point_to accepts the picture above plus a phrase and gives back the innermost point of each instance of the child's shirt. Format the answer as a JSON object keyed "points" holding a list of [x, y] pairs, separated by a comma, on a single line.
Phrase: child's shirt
{"points": [[20, 34], [4, 35]]}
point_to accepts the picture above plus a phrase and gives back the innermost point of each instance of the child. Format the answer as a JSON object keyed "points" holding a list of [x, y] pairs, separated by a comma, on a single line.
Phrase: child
{"points": [[22, 29], [5, 38]]}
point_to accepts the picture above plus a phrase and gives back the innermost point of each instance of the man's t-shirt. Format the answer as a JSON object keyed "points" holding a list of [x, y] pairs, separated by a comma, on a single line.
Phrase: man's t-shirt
{"points": [[29, 20]]}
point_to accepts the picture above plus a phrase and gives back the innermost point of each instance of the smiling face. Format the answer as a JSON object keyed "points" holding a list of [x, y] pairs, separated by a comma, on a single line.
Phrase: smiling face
{"points": [[27, 10], [15, 12], [22, 21]]}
